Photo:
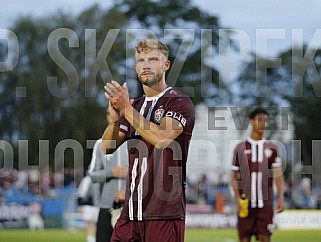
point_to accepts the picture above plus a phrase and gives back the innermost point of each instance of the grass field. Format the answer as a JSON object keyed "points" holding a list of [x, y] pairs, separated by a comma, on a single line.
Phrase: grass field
{"points": [[192, 235]]}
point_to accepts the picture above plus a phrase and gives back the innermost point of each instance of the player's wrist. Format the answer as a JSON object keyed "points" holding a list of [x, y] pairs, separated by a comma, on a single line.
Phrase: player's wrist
{"points": [[114, 122], [126, 109]]}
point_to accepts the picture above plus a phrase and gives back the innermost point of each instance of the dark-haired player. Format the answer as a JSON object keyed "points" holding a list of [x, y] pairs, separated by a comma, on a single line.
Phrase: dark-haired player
{"points": [[256, 162], [157, 128]]}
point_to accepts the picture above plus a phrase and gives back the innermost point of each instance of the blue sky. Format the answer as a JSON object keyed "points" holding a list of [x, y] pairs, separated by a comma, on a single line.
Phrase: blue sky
{"points": [[250, 16]]}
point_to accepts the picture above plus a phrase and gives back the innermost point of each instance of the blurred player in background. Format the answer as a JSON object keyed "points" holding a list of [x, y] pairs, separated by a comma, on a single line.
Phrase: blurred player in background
{"points": [[88, 195], [256, 162], [158, 127], [110, 174]]}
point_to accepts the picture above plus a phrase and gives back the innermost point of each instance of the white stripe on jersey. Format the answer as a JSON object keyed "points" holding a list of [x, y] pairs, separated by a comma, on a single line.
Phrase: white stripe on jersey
{"points": [[254, 152], [260, 203], [253, 189], [140, 190], [256, 190], [123, 127], [260, 151], [149, 111], [154, 101], [132, 188], [247, 152], [258, 154], [235, 168]]}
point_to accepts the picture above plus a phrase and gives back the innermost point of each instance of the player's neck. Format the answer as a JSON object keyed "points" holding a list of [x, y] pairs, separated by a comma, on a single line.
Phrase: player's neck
{"points": [[256, 136], [151, 91]]}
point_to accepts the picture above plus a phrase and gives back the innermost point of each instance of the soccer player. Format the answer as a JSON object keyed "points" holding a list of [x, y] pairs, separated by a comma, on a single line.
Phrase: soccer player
{"points": [[107, 171], [88, 204], [158, 127], [254, 160]]}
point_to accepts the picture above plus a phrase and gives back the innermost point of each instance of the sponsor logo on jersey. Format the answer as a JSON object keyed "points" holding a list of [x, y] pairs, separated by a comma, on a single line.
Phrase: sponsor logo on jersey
{"points": [[158, 114], [177, 116]]}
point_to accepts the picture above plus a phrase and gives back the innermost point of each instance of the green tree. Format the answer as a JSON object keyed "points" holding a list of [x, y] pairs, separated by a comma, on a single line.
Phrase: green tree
{"points": [[69, 109], [193, 39], [293, 85], [55, 93], [301, 71], [259, 85]]}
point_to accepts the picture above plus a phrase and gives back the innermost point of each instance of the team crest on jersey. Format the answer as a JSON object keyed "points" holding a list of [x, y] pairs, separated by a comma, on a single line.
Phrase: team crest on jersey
{"points": [[158, 115], [268, 152]]}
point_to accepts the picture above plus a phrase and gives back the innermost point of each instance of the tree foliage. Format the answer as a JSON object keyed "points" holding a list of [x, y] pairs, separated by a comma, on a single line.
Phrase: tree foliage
{"points": [[190, 33], [55, 92], [69, 109], [294, 83], [301, 72]]}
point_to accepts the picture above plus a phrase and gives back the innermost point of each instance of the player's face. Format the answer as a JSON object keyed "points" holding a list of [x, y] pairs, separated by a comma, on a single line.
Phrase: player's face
{"points": [[260, 123], [151, 67]]}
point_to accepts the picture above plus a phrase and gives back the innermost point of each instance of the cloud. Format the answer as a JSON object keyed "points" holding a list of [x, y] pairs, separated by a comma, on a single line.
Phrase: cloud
{"points": [[250, 16], [16, 8]]}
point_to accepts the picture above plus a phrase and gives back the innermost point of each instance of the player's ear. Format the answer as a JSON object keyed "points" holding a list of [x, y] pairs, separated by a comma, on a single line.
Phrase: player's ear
{"points": [[167, 65]]}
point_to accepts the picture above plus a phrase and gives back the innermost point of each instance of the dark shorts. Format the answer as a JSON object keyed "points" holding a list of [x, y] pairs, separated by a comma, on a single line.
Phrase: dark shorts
{"points": [[104, 228], [149, 231], [259, 221]]}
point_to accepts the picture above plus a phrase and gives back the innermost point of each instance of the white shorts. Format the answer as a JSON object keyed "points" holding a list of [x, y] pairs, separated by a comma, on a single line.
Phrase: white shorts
{"points": [[90, 213]]}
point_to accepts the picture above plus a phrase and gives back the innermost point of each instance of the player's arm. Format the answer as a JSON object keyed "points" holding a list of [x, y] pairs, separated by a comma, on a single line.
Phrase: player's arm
{"points": [[120, 196], [234, 183], [98, 173], [158, 135], [112, 138], [278, 178], [104, 174], [108, 173], [235, 169]]}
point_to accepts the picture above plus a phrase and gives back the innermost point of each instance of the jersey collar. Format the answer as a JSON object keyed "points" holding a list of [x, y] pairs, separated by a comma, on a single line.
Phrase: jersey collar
{"points": [[252, 141], [158, 95]]}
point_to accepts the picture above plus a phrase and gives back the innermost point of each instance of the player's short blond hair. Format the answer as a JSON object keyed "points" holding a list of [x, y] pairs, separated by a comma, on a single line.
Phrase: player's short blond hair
{"points": [[152, 44]]}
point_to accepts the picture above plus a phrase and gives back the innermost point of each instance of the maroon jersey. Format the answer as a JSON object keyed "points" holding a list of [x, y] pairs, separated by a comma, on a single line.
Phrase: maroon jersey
{"points": [[156, 181], [254, 161]]}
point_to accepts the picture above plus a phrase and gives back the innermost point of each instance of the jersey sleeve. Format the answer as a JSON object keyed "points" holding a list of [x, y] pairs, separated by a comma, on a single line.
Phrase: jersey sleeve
{"points": [[182, 110], [236, 162], [276, 161], [124, 126], [98, 172]]}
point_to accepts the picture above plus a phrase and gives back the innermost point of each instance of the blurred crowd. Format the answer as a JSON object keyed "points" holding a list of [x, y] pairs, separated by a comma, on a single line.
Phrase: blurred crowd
{"points": [[220, 195], [27, 186]]}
